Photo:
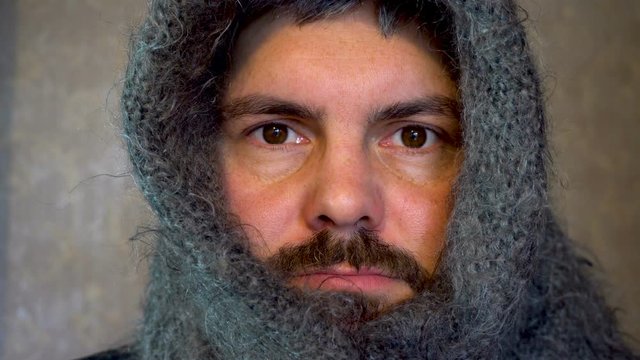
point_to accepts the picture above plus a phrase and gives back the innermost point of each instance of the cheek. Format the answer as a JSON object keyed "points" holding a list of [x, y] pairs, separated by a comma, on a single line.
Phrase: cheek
{"points": [[265, 209], [417, 219]]}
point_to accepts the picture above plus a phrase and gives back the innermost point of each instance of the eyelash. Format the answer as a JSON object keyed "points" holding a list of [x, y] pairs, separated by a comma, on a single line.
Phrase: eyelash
{"points": [[385, 142], [390, 140], [253, 133]]}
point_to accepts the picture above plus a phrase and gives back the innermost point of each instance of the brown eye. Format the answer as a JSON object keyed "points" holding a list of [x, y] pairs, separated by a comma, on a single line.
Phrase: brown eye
{"points": [[275, 133], [413, 136]]}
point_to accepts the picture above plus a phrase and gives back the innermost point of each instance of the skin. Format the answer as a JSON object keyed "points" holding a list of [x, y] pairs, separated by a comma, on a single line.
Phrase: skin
{"points": [[343, 166]]}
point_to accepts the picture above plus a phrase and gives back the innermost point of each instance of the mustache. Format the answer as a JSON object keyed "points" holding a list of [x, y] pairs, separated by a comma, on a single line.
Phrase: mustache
{"points": [[363, 249]]}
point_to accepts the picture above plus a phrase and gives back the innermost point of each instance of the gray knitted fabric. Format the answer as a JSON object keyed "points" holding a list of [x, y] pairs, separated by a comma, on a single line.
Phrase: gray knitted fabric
{"points": [[510, 284]]}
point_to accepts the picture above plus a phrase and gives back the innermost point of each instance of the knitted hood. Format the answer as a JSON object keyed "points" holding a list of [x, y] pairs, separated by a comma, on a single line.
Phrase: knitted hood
{"points": [[510, 283]]}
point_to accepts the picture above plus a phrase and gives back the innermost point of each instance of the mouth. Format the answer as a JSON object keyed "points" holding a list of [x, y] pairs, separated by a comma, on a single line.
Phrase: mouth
{"points": [[367, 280]]}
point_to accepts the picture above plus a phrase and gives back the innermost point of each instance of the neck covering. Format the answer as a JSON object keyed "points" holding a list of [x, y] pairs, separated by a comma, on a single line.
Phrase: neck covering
{"points": [[510, 283]]}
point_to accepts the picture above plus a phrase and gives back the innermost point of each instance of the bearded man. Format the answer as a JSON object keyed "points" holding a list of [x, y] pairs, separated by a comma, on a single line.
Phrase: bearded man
{"points": [[349, 180]]}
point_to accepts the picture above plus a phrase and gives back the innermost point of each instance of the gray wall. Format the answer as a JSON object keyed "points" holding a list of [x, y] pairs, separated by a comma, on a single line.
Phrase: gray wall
{"points": [[589, 52], [70, 281]]}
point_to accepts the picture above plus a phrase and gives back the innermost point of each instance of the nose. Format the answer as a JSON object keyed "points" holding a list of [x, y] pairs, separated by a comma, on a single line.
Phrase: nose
{"points": [[345, 194]]}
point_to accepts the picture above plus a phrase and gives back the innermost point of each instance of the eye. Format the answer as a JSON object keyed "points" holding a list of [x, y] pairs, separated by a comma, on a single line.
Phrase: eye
{"points": [[276, 134], [414, 137]]}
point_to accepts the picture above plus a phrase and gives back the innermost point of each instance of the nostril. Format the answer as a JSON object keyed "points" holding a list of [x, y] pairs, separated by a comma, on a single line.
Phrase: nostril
{"points": [[324, 219], [327, 221], [363, 220]]}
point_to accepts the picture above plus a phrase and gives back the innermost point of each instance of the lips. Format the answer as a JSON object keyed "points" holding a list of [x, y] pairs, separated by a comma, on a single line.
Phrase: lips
{"points": [[346, 278]]}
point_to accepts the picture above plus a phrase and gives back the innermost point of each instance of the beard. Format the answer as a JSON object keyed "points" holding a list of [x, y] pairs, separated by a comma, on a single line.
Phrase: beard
{"points": [[363, 249], [208, 297]]}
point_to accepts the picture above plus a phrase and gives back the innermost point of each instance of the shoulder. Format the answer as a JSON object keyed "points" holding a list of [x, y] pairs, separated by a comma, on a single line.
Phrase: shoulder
{"points": [[123, 353]]}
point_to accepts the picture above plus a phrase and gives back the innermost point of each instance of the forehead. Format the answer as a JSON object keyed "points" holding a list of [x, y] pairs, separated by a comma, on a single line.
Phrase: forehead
{"points": [[357, 25], [339, 52]]}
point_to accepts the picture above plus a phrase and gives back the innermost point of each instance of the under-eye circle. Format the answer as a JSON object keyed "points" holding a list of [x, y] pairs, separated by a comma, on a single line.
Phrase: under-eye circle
{"points": [[275, 133]]}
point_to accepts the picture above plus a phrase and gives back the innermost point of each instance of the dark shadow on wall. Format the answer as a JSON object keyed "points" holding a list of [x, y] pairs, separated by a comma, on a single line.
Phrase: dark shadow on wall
{"points": [[7, 67]]}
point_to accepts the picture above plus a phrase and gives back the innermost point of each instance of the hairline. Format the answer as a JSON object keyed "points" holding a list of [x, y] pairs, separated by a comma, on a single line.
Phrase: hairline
{"points": [[388, 23]]}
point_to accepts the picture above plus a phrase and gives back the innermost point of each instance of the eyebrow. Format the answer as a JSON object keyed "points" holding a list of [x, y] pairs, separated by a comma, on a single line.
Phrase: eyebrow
{"points": [[259, 104], [436, 105]]}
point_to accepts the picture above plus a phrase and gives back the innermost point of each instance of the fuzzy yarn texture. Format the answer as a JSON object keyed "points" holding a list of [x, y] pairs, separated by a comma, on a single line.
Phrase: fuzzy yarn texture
{"points": [[510, 283]]}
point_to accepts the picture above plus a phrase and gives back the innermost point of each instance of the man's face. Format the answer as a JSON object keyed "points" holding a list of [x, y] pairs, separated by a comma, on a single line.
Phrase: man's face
{"points": [[332, 126]]}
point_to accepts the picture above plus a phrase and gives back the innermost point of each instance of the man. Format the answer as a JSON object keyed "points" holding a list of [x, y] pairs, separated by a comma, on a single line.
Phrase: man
{"points": [[346, 179]]}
